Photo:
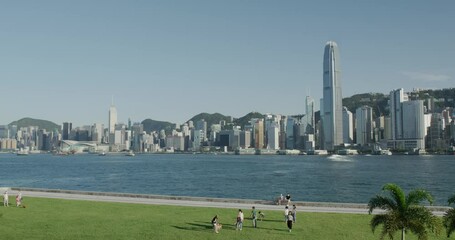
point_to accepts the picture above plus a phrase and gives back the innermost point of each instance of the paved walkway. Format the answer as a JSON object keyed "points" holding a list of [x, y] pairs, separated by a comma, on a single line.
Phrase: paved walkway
{"points": [[196, 201]]}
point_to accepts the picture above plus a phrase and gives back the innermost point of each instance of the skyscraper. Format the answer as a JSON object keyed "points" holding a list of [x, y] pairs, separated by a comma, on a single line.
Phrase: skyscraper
{"points": [[332, 100], [364, 125], [309, 115], [348, 126], [397, 97], [67, 127], [112, 122]]}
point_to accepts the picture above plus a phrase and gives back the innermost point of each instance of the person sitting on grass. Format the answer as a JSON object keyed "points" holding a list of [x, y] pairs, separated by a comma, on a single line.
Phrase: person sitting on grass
{"points": [[261, 215], [216, 224], [18, 200]]}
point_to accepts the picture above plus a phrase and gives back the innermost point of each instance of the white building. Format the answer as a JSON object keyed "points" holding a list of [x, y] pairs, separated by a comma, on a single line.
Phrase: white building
{"points": [[414, 124], [348, 126], [273, 136]]}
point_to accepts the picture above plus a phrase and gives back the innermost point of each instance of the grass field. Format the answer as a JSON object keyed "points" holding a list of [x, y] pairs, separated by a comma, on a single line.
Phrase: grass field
{"points": [[68, 219]]}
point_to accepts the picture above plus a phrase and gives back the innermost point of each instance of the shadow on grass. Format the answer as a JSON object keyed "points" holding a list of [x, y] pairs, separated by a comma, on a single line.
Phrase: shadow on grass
{"points": [[205, 226], [195, 227]]}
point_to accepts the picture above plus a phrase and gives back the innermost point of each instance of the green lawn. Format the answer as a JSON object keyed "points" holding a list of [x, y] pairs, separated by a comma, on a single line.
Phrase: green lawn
{"points": [[66, 219]]}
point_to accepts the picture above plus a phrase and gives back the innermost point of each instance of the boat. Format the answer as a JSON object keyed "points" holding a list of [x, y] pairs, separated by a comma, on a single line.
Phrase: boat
{"points": [[102, 154], [22, 152], [377, 150], [347, 151], [130, 154]]}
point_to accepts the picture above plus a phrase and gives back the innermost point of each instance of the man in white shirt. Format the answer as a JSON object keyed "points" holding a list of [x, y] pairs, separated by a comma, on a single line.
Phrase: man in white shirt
{"points": [[5, 199]]}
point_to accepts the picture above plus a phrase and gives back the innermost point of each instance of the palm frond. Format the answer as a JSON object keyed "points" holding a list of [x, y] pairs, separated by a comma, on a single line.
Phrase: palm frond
{"points": [[417, 196], [451, 199], [449, 221], [381, 202], [397, 194], [421, 219], [388, 222]]}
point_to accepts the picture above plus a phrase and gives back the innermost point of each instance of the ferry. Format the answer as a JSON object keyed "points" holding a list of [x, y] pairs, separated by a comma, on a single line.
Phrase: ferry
{"points": [[22, 153], [347, 152]]}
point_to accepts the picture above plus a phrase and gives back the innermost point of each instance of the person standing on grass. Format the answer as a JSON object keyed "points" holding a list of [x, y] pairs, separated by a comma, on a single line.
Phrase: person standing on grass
{"points": [[289, 222], [5, 199], [254, 216], [294, 212], [286, 213], [240, 218]]}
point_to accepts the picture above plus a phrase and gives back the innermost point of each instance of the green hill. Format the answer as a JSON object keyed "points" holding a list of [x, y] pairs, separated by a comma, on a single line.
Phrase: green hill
{"points": [[153, 125], [245, 119], [214, 118], [377, 101], [41, 124]]}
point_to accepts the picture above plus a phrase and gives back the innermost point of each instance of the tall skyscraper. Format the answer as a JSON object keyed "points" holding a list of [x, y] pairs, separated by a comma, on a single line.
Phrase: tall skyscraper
{"points": [[112, 118], [413, 123], [332, 99], [364, 125], [348, 126], [397, 97], [112, 123], [309, 115], [67, 127]]}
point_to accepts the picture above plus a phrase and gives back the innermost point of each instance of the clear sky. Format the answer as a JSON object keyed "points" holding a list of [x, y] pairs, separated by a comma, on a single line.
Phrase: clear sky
{"points": [[170, 60]]}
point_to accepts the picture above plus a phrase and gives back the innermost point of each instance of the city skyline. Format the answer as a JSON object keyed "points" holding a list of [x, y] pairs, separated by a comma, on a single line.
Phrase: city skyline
{"points": [[167, 61]]}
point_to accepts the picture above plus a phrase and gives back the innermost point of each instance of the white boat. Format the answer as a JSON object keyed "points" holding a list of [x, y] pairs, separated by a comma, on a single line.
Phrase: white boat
{"points": [[102, 154], [130, 154], [347, 152], [22, 153]]}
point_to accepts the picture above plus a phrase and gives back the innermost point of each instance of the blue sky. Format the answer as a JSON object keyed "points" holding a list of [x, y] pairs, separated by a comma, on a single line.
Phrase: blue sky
{"points": [[169, 60]]}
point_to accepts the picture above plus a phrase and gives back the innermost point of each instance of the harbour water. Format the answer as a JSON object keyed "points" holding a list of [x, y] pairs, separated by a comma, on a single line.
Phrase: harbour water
{"points": [[352, 179]]}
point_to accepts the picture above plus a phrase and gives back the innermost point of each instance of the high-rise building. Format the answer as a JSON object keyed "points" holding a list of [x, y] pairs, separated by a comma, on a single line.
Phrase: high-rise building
{"points": [[67, 127], [309, 115], [364, 125], [112, 118], [332, 99], [112, 123], [414, 130], [273, 136], [290, 133], [348, 126], [397, 97], [202, 125]]}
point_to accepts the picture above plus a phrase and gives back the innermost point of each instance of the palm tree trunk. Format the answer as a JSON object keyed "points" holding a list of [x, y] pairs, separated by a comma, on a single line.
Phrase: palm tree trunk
{"points": [[403, 233]]}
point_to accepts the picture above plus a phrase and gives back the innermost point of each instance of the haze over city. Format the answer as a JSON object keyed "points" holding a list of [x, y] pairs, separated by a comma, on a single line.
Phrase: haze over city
{"points": [[169, 60]]}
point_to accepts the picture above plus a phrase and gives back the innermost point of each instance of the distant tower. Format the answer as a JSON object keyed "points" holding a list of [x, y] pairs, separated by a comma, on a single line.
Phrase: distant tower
{"points": [[364, 125], [348, 126], [67, 127], [112, 119], [309, 115], [332, 103], [397, 97]]}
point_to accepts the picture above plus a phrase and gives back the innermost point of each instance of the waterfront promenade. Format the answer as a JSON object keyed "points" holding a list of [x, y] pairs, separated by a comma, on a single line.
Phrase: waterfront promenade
{"points": [[197, 201]]}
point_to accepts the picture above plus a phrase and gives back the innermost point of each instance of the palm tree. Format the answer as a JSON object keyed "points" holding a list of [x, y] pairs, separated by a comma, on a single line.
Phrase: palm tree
{"points": [[403, 213], [449, 218]]}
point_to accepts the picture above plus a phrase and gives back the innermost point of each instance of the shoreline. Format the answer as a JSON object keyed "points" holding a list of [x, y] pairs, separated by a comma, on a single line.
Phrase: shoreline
{"points": [[326, 207]]}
